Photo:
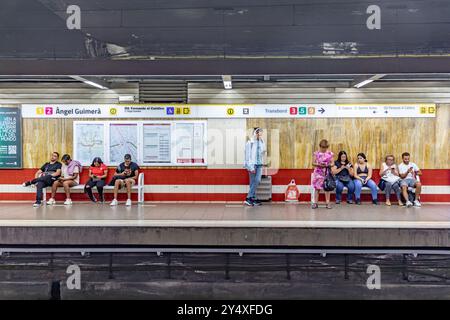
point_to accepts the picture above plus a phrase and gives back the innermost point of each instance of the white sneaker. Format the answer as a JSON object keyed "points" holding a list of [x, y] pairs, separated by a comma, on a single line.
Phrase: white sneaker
{"points": [[68, 202], [114, 202], [51, 201], [408, 204], [417, 203], [128, 203], [36, 204]]}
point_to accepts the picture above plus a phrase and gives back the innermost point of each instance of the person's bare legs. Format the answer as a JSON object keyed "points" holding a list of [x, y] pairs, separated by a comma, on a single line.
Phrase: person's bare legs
{"points": [[405, 192], [128, 183], [55, 187], [67, 184], [418, 190], [316, 196], [117, 186], [327, 197]]}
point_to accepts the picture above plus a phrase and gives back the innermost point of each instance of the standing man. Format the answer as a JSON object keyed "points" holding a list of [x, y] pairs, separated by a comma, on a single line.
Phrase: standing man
{"points": [[409, 173], [126, 174], [254, 151], [45, 177]]}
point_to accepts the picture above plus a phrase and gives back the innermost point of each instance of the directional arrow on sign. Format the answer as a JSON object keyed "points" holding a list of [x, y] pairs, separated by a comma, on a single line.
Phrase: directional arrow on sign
{"points": [[322, 110]]}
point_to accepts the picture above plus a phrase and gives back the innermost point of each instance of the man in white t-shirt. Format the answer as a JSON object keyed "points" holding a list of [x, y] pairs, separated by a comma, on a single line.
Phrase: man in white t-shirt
{"points": [[409, 172]]}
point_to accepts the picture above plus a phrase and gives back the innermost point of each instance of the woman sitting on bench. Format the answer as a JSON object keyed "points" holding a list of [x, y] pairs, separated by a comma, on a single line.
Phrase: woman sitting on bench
{"points": [[98, 172]]}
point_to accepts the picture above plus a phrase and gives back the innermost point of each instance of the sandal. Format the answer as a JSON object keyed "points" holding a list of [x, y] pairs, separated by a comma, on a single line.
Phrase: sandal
{"points": [[328, 206]]}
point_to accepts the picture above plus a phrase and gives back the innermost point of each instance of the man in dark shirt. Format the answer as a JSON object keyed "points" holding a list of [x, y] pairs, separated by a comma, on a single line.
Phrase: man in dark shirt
{"points": [[126, 174], [45, 177]]}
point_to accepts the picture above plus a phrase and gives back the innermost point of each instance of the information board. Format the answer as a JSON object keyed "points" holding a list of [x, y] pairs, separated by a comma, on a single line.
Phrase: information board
{"points": [[10, 138], [150, 143]]}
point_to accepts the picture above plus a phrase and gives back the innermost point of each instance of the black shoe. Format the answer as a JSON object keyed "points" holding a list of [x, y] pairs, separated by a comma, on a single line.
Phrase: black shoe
{"points": [[248, 202], [26, 184], [349, 201], [375, 202], [256, 202], [358, 201]]}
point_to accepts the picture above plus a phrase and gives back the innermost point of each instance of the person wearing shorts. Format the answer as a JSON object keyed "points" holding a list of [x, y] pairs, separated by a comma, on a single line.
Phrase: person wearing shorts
{"points": [[70, 177], [126, 175], [409, 173]]}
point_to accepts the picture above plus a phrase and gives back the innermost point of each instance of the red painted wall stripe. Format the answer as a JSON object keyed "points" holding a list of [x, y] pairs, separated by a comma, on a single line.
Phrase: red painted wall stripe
{"points": [[219, 176]]}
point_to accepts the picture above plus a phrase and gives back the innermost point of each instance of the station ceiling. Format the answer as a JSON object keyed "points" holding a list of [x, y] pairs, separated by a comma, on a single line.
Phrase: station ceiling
{"points": [[195, 30]]}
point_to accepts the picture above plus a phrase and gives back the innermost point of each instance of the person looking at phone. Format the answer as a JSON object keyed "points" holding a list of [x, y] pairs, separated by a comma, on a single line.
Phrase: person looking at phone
{"points": [[390, 174], [70, 177], [126, 174], [98, 172], [343, 171], [409, 173]]}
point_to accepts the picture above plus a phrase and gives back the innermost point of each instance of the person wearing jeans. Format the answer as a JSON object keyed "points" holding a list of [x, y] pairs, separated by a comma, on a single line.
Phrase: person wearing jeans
{"points": [[254, 151], [98, 172], [363, 178], [45, 177], [343, 171]]}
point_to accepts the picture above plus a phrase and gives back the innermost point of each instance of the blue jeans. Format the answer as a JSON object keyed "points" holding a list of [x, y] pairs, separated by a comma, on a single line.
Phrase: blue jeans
{"points": [[370, 184], [340, 187], [255, 179]]}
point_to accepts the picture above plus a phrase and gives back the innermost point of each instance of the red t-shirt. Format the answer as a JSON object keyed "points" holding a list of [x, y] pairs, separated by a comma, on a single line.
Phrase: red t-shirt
{"points": [[98, 171]]}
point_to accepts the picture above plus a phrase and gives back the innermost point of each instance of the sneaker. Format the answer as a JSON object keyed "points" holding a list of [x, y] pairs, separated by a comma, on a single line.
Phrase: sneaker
{"points": [[349, 201], [68, 202], [248, 202], [114, 202], [408, 204], [338, 201], [417, 203], [51, 201], [128, 203], [26, 184], [36, 204], [314, 206], [358, 201], [328, 206], [375, 202], [256, 202]]}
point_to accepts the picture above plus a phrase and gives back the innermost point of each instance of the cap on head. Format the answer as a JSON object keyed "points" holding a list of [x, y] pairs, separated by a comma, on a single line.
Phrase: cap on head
{"points": [[257, 130]]}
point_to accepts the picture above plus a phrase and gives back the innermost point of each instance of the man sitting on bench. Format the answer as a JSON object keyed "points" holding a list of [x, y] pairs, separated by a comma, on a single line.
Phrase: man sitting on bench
{"points": [[71, 170], [45, 177], [126, 174], [409, 172]]}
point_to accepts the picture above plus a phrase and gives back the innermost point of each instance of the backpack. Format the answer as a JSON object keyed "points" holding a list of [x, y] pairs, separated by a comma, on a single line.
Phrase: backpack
{"points": [[329, 183]]}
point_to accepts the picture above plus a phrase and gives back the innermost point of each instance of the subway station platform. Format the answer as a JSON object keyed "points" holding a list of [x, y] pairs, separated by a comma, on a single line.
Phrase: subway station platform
{"points": [[273, 225]]}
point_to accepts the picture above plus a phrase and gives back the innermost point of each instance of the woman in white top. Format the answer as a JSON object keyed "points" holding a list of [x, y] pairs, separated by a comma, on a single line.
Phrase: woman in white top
{"points": [[390, 174]]}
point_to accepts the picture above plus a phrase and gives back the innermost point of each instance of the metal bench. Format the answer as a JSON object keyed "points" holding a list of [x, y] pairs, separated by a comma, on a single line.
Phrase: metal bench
{"points": [[139, 188]]}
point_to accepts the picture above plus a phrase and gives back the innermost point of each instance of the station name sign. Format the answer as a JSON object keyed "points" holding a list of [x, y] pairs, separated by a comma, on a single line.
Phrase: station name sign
{"points": [[227, 111]]}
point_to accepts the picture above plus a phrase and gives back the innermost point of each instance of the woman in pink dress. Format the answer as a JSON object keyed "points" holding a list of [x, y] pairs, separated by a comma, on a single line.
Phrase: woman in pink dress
{"points": [[321, 162]]}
